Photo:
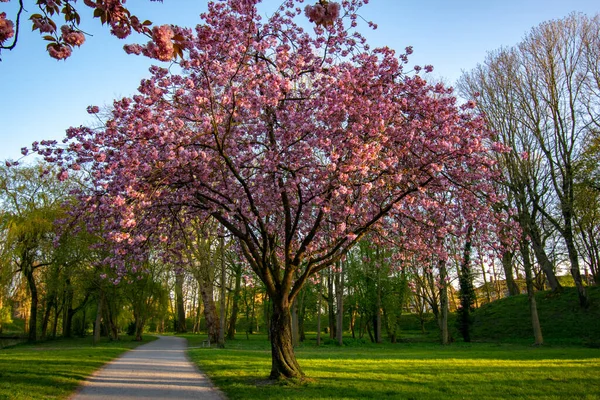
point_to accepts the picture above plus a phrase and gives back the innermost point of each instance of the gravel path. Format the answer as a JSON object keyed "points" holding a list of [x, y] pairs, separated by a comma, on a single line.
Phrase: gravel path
{"points": [[156, 370]]}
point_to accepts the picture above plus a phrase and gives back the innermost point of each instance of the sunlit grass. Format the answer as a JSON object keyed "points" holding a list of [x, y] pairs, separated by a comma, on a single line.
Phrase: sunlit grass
{"points": [[408, 371], [53, 370]]}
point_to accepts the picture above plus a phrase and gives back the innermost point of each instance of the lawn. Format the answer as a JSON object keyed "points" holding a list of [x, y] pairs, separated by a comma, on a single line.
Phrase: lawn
{"points": [[406, 371], [54, 369]]}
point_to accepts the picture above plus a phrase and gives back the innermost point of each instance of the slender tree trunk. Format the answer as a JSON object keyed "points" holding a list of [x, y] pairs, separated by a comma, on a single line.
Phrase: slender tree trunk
{"points": [[284, 363], [179, 303], [330, 301], [574, 259], [222, 305], [46, 318], [235, 304], [340, 305], [507, 265], [319, 298], [467, 293], [98, 318], [28, 272], [378, 333], [542, 259], [443, 302], [535, 321], [56, 317]]}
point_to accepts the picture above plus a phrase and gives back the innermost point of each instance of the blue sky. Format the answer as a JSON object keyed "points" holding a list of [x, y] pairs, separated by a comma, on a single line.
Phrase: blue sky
{"points": [[41, 97]]}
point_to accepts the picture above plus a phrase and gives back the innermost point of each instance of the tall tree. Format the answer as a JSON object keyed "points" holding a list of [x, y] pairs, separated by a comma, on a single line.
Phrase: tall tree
{"points": [[298, 144]]}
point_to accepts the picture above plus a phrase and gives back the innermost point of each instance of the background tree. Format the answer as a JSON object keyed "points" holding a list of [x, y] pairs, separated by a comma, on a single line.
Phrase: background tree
{"points": [[546, 93], [31, 202]]}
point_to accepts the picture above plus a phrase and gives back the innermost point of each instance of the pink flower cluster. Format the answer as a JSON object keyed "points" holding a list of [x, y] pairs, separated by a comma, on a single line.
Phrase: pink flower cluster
{"points": [[71, 36], [161, 46], [323, 13], [59, 51], [43, 25], [6, 28], [93, 109]]}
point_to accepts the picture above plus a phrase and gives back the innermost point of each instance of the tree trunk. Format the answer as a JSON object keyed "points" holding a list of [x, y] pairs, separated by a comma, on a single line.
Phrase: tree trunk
{"points": [[340, 305], [507, 265], [542, 258], [98, 318], [319, 297], [330, 303], [467, 292], [28, 272], [284, 363], [235, 304], [222, 305], [140, 322], [443, 302], [179, 303], [377, 327], [575, 272], [210, 311], [46, 318], [535, 321]]}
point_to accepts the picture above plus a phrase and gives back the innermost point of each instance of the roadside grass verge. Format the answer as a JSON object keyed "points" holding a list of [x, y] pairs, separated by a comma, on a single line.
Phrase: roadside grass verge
{"points": [[405, 371], [54, 369]]}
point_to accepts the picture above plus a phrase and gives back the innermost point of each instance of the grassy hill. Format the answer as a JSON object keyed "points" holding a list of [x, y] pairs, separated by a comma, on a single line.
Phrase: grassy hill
{"points": [[561, 318]]}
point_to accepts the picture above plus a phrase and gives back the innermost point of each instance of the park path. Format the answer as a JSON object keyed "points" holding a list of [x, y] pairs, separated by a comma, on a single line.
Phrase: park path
{"points": [[156, 370]]}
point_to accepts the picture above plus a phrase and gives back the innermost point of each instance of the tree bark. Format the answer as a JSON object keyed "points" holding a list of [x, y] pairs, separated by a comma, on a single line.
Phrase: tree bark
{"points": [[222, 305], [284, 363], [179, 303], [28, 272], [574, 258], [319, 298], [340, 305], [443, 302], [330, 304], [507, 265], [210, 311], [535, 321], [235, 306], [542, 258], [98, 318]]}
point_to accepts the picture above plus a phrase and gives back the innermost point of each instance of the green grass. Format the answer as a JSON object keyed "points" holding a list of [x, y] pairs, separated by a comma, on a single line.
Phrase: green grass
{"points": [[561, 318], [406, 371], [54, 369]]}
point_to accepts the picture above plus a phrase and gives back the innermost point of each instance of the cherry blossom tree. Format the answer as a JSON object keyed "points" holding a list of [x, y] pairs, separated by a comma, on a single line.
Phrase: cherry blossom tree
{"points": [[298, 143]]}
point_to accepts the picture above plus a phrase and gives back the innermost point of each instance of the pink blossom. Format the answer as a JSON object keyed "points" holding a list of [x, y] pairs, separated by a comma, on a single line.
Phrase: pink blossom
{"points": [[162, 37], [59, 51], [133, 49], [6, 28], [93, 109], [323, 14], [71, 36], [63, 175]]}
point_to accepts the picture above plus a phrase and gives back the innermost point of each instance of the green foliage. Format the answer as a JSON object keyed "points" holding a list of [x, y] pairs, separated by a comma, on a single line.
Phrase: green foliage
{"points": [[561, 318], [54, 369], [406, 371]]}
